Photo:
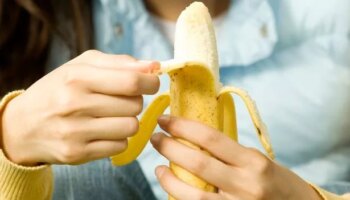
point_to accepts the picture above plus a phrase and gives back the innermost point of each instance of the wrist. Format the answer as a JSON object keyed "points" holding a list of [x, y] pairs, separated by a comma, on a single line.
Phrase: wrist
{"points": [[3, 103], [6, 121]]}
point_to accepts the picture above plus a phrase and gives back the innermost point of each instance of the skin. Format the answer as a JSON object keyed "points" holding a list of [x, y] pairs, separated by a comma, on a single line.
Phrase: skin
{"points": [[82, 111], [238, 172], [86, 109]]}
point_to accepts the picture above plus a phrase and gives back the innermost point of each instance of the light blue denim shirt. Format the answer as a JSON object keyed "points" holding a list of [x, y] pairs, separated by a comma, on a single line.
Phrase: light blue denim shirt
{"points": [[293, 57]]}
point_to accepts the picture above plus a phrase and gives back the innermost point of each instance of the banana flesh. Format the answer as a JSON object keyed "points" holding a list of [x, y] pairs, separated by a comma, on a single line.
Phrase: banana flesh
{"points": [[193, 96], [195, 38], [195, 93]]}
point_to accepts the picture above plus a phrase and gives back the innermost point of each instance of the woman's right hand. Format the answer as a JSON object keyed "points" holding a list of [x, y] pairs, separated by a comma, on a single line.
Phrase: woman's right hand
{"points": [[82, 111]]}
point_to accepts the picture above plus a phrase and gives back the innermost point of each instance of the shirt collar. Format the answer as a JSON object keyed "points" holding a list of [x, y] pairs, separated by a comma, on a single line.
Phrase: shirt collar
{"points": [[248, 34]]}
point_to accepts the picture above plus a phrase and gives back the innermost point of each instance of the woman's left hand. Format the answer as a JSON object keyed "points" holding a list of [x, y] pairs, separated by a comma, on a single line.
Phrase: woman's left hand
{"points": [[237, 171]]}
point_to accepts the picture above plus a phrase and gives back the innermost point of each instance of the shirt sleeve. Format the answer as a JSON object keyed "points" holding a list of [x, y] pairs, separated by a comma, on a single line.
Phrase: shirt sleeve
{"points": [[19, 182]]}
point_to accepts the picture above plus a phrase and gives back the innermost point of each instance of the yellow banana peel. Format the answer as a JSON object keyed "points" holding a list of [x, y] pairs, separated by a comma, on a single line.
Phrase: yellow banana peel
{"points": [[195, 92]]}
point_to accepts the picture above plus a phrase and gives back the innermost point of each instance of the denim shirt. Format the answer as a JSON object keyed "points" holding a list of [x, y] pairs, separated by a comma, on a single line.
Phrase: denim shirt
{"points": [[293, 57]]}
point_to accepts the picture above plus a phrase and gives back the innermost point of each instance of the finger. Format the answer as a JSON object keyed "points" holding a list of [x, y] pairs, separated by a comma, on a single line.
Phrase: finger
{"points": [[112, 128], [112, 82], [180, 190], [102, 149], [97, 105], [206, 137], [120, 62], [195, 161]]}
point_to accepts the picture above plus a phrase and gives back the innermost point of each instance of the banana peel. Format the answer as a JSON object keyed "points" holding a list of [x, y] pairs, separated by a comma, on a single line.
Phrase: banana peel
{"points": [[195, 93]]}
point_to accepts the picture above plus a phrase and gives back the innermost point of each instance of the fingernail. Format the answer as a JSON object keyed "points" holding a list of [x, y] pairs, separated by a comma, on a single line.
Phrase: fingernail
{"points": [[155, 138], [164, 119], [154, 65], [160, 171]]}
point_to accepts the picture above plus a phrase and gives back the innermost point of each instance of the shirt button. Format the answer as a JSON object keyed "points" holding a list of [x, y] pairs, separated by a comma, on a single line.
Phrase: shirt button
{"points": [[264, 31], [118, 30]]}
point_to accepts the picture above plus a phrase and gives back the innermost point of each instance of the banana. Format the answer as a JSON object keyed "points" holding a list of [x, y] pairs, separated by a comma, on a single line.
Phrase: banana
{"points": [[195, 92]]}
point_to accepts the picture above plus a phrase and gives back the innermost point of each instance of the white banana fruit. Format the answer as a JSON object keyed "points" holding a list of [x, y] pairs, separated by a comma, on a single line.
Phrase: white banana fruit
{"points": [[195, 92]]}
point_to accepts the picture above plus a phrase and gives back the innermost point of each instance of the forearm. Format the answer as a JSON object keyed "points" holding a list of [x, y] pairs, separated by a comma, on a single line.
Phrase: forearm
{"points": [[4, 101], [19, 182]]}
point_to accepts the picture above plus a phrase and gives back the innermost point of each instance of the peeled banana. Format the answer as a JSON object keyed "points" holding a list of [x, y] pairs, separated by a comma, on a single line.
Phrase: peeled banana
{"points": [[195, 92]]}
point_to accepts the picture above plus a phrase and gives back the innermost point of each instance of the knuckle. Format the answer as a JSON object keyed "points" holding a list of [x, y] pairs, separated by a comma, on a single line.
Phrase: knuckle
{"points": [[202, 196], [123, 145], [70, 154], [133, 85], [71, 76], [65, 131], [155, 84], [138, 105], [139, 100], [263, 165], [133, 126], [211, 138], [67, 102], [260, 162], [200, 164], [91, 52], [259, 193]]}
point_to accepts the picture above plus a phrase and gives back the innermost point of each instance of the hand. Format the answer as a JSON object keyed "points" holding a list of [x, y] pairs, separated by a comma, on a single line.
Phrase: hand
{"points": [[237, 171], [82, 111]]}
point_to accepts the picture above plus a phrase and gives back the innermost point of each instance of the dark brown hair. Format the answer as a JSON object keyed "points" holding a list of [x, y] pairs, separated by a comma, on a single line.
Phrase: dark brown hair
{"points": [[27, 28]]}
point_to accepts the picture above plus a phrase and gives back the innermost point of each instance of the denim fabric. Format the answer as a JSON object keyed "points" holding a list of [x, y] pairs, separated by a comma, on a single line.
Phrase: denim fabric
{"points": [[291, 56], [101, 180], [337, 187]]}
